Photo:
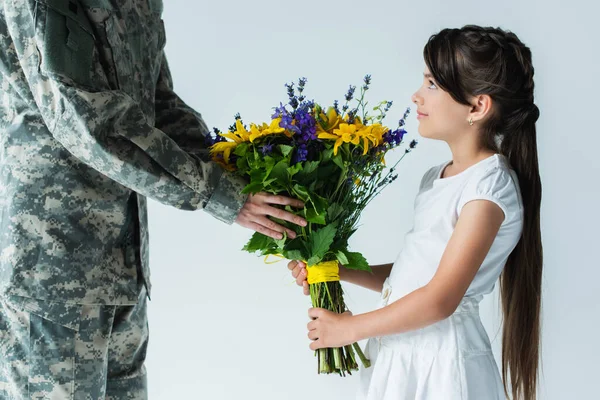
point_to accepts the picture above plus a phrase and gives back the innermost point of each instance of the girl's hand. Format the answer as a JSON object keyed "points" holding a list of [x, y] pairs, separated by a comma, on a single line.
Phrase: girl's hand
{"points": [[329, 329], [298, 269]]}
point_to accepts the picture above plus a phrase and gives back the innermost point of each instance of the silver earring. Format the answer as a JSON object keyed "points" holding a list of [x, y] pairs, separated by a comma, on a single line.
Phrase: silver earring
{"points": [[471, 121]]}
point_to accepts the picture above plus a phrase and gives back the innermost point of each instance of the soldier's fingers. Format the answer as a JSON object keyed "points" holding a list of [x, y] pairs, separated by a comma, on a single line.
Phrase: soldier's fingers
{"points": [[284, 215], [272, 225], [282, 200], [264, 230]]}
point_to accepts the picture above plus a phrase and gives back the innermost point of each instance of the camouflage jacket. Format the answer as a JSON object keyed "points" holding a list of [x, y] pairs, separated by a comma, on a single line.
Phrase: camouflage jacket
{"points": [[89, 128]]}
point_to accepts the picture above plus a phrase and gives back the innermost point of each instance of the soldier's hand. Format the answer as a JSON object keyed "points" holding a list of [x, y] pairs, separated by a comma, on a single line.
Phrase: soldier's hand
{"points": [[254, 215], [299, 272]]}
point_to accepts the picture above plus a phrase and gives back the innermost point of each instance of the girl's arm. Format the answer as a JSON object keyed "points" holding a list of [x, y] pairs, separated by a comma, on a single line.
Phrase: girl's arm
{"points": [[468, 246], [368, 280]]}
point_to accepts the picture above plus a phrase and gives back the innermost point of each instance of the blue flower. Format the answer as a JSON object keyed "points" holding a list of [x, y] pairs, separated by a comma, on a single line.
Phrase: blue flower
{"points": [[300, 155], [402, 122], [367, 81], [388, 106], [350, 94], [267, 149], [411, 146], [279, 111]]}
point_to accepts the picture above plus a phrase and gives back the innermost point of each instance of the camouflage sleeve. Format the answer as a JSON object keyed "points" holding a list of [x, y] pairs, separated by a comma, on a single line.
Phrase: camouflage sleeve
{"points": [[187, 128], [109, 131]]}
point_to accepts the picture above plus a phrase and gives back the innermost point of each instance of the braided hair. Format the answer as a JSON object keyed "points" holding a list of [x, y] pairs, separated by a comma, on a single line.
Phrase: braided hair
{"points": [[473, 61]]}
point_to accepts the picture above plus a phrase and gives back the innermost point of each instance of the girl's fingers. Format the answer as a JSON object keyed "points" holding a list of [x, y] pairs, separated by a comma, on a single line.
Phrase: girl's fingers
{"points": [[301, 277], [296, 273], [306, 290]]}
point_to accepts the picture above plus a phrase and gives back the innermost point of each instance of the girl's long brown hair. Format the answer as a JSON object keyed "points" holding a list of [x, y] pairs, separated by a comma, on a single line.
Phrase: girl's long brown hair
{"points": [[474, 61]]}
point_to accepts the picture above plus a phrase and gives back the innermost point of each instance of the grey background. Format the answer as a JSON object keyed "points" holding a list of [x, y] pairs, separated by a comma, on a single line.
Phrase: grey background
{"points": [[223, 324]]}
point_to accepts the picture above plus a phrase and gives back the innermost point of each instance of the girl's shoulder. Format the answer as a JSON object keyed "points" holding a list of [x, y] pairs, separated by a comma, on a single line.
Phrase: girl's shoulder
{"points": [[495, 181]]}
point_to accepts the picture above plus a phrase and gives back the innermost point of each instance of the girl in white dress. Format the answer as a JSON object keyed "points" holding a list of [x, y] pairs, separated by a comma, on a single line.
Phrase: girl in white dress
{"points": [[476, 219]]}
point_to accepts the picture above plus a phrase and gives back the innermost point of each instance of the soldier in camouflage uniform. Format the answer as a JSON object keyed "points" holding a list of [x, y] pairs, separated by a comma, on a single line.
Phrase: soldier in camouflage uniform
{"points": [[89, 128]]}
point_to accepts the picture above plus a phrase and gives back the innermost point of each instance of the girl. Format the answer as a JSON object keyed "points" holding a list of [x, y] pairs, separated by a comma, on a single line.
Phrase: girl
{"points": [[477, 218]]}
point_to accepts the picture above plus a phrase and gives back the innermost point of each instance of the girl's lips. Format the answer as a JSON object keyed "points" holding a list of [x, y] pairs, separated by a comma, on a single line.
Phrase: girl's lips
{"points": [[421, 115]]}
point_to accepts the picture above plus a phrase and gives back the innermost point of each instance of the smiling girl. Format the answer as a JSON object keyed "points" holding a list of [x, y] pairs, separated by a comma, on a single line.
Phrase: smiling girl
{"points": [[476, 220]]}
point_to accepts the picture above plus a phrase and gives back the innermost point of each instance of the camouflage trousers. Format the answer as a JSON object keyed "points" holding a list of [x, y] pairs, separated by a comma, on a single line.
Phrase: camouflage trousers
{"points": [[51, 350]]}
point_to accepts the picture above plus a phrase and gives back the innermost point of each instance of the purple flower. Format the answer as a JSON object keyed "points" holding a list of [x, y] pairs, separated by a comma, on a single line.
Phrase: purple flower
{"points": [[367, 81], [350, 94], [279, 111], [267, 149], [300, 155], [401, 123]]}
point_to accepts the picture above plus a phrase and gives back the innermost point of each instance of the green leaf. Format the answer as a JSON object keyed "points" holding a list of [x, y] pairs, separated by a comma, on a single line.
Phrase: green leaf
{"points": [[342, 258], [337, 159], [258, 242], [285, 149], [293, 170], [253, 188], [241, 149], [314, 217], [280, 172], [294, 255], [334, 211], [281, 242], [319, 203], [327, 153], [301, 192], [321, 240], [357, 261], [269, 164], [296, 249], [313, 261], [310, 167]]}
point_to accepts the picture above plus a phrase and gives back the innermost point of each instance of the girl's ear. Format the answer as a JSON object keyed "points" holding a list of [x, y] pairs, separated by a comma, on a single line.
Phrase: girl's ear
{"points": [[481, 107]]}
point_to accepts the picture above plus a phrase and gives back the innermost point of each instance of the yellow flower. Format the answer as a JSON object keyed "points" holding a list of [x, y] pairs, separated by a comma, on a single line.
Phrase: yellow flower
{"points": [[373, 134], [328, 122], [264, 130], [346, 133], [240, 135], [225, 148]]}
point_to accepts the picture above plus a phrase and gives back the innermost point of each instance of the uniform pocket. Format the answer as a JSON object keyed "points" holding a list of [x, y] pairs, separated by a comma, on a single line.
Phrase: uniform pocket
{"points": [[47, 344], [51, 359], [68, 40]]}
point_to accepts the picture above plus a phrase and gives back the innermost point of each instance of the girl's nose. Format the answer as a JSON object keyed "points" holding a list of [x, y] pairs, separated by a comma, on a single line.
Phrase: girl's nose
{"points": [[417, 99]]}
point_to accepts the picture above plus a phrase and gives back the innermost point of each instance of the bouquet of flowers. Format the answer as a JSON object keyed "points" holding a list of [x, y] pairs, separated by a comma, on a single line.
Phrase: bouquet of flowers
{"points": [[333, 160]]}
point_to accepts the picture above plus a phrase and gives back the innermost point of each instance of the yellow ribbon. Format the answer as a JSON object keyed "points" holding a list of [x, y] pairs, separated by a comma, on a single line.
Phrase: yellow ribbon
{"points": [[328, 271], [274, 255]]}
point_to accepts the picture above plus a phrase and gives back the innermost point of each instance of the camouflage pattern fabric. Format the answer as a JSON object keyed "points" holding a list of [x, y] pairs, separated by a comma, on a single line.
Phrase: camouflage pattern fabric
{"points": [[60, 351], [89, 128]]}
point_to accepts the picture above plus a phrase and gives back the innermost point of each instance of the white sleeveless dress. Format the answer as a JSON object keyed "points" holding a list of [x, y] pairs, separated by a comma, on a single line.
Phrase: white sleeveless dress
{"points": [[451, 359]]}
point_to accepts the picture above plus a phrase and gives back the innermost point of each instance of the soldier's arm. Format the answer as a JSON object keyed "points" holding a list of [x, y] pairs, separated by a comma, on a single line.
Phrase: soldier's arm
{"points": [[108, 130], [173, 116]]}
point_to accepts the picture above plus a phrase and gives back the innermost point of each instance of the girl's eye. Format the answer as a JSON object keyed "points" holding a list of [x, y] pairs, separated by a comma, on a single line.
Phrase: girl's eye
{"points": [[433, 86]]}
